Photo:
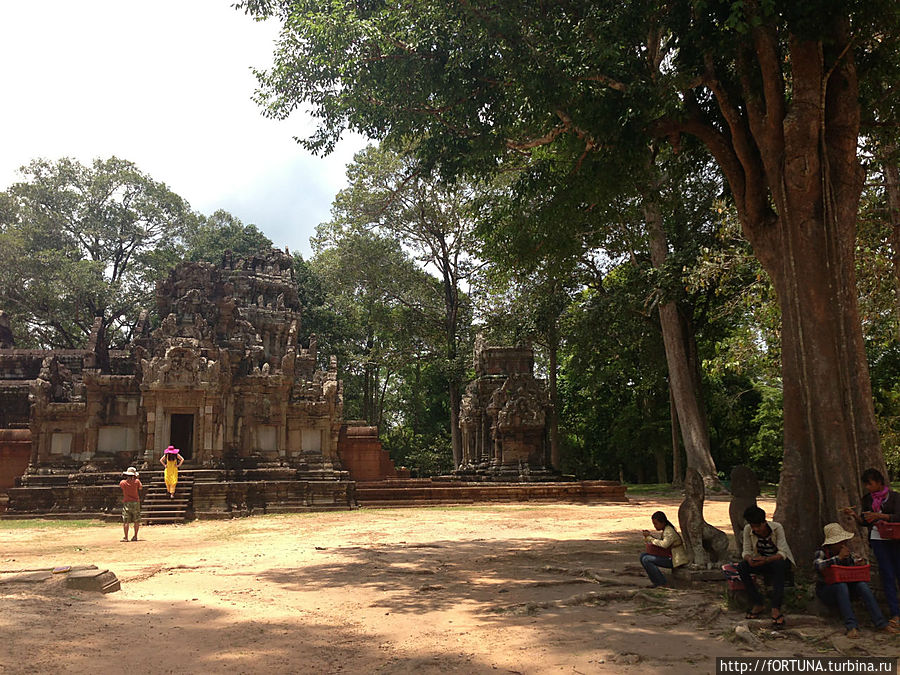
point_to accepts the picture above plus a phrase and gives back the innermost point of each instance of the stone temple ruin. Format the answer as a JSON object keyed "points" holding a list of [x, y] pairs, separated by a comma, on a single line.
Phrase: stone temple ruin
{"points": [[505, 444], [224, 378], [503, 419]]}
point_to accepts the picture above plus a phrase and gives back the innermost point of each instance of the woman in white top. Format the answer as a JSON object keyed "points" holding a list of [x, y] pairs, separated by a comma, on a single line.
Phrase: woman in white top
{"points": [[664, 536]]}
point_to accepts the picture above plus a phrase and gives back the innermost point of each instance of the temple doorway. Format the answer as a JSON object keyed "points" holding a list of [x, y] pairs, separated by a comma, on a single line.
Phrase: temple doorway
{"points": [[182, 434]]}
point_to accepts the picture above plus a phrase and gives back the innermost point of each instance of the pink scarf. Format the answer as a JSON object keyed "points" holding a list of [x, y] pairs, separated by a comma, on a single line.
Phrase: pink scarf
{"points": [[879, 497]]}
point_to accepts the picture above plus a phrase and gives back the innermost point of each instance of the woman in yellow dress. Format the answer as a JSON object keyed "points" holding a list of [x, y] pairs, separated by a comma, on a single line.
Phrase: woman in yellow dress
{"points": [[171, 460]]}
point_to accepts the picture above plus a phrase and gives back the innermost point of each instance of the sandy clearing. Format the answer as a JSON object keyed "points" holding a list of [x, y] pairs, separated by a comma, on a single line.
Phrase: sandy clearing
{"points": [[475, 589]]}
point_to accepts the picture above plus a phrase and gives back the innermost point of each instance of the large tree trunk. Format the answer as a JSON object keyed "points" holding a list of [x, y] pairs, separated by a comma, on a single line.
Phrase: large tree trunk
{"points": [[800, 156], [455, 437], [661, 468], [677, 470], [683, 382], [553, 349], [892, 190], [830, 432]]}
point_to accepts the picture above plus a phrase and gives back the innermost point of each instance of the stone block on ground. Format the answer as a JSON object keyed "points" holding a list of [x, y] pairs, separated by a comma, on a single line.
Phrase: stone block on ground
{"points": [[101, 581]]}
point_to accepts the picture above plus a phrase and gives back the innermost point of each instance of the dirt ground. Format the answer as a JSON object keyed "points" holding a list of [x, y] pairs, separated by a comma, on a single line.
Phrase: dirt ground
{"points": [[470, 589]]}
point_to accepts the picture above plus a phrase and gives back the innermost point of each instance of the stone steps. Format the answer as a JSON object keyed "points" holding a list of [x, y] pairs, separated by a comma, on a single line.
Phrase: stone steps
{"points": [[158, 508]]}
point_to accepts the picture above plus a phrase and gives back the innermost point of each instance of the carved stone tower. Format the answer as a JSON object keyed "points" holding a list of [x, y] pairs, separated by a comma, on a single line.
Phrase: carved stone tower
{"points": [[503, 419]]}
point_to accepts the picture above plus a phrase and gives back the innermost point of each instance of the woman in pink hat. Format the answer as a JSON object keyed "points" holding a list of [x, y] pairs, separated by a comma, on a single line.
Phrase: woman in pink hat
{"points": [[171, 460]]}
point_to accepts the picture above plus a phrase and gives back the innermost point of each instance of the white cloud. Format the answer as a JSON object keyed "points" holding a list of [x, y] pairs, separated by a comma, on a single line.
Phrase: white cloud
{"points": [[166, 84]]}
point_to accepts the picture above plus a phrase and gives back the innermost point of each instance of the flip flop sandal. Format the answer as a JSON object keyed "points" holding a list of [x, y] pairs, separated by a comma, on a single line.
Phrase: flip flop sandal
{"points": [[752, 615], [124, 539], [778, 622]]}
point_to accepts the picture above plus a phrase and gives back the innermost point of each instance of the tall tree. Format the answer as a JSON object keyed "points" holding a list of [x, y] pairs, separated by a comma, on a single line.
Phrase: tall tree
{"points": [[90, 242], [679, 340], [386, 304], [529, 303], [640, 214], [770, 88], [391, 194]]}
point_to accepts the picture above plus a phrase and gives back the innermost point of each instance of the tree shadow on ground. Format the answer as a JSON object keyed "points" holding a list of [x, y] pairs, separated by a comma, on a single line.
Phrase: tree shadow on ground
{"points": [[430, 576], [49, 628], [573, 592]]}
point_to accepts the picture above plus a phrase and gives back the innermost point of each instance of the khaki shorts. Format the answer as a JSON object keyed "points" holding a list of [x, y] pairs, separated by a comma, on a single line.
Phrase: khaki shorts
{"points": [[131, 512]]}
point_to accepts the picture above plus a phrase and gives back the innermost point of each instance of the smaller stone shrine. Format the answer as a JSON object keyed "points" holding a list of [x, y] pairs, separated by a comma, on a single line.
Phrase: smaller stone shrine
{"points": [[503, 419]]}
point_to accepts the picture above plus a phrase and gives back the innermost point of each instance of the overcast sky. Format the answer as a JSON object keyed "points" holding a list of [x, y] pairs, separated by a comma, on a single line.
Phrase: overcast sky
{"points": [[165, 84]]}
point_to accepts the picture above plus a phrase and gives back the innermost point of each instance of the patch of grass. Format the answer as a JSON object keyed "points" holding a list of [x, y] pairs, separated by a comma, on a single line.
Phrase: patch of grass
{"points": [[293, 514], [664, 489], [768, 490], [46, 524]]}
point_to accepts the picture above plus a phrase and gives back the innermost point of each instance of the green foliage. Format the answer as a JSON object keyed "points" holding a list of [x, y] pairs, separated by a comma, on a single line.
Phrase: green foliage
{"points": [[376, 310], [369, 286], [877, 277], [84, 242], [569, 95], [885, 374], [208, 237], [766, 452], [613, 381], [394, 259], [423, 454]]}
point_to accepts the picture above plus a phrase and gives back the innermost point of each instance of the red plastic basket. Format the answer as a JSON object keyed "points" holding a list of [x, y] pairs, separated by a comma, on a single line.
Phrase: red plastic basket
{"points": [[835, 574], [734, 582], [735, 585], [653, 549], [888, 530]]}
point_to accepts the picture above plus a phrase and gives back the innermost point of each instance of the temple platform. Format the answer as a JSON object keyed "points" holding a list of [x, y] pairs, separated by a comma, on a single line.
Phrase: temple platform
{"points": [[428, 492], [213, 494]]}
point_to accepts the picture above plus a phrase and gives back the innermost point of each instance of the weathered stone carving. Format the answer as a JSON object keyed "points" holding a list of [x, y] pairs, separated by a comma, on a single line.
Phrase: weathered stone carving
{"points": [[705, 544], [503, 418], [6, 334], [54, 383], [223, 374]]}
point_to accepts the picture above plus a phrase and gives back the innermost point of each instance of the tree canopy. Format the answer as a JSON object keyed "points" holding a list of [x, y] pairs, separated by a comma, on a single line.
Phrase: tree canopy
{"points": [[80, 242], [84, 242], [771, 89]]}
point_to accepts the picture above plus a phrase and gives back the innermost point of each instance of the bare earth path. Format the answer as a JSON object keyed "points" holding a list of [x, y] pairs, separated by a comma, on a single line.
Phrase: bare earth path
{"points": [[478, 589]]}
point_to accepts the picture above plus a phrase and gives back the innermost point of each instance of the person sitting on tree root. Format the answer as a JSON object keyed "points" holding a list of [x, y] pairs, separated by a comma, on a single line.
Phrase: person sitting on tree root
{"points": [[765, 552], [666, 537], [834, 551]]}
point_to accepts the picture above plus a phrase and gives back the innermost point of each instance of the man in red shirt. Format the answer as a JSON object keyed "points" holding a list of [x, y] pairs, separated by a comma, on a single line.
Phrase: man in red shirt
{"points": [[131, 502]]}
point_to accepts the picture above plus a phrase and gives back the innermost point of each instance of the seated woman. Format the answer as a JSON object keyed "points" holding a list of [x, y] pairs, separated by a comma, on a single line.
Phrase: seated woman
{"points": [[881, 504], [664, 536], [834, 551]]}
